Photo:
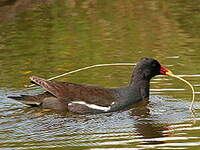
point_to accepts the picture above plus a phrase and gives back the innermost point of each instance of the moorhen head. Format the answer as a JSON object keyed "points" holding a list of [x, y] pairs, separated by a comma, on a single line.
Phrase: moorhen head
{"points": [[83, 99], [147, 68]]}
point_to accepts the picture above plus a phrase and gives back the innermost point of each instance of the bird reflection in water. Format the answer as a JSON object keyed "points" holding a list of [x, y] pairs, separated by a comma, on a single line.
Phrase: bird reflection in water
{"points": [[146, 126]]}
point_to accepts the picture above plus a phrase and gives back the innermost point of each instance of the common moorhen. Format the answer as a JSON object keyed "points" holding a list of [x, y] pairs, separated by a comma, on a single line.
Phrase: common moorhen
{"points": [[82, 99]]}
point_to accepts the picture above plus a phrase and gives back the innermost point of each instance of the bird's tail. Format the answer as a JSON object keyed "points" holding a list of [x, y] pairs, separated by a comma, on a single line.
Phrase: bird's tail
{"points": [[26, 99]]}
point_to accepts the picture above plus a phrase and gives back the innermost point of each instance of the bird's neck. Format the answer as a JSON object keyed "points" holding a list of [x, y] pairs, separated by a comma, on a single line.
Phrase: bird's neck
{"points": [[140, 83]]}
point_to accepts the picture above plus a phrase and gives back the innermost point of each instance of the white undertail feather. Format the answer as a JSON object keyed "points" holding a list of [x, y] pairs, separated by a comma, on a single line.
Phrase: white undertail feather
{"points": [[93, 106]]}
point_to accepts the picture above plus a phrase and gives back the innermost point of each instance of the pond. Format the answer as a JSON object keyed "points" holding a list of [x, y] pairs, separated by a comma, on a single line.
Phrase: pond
{"points": [[48, 38]]}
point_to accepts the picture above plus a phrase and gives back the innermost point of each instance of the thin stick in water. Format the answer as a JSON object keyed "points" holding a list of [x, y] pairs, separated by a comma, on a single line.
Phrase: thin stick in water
{"points": [[85, 68], [193, 93]]}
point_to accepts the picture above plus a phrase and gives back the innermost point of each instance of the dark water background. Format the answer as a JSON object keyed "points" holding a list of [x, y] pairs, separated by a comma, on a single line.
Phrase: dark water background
{"points": [[47, 38]]}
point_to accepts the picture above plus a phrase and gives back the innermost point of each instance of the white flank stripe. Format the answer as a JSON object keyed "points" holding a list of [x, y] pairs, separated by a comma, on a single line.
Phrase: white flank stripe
{"points": [[93, 106]]}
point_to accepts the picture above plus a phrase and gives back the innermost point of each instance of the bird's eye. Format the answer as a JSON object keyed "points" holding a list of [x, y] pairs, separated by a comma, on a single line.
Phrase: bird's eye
{"points": [[153, 65]]}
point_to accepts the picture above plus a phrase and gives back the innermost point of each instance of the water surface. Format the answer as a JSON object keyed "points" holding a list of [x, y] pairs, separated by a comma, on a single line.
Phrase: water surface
{"points": [[47, 38]]}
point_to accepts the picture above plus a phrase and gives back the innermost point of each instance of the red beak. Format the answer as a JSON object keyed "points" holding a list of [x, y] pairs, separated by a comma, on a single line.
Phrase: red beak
{"points": [[164, 71]]}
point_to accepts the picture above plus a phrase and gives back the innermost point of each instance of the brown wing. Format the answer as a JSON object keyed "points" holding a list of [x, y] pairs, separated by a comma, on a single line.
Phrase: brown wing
{"points": [[75, 92], [54, 88]]}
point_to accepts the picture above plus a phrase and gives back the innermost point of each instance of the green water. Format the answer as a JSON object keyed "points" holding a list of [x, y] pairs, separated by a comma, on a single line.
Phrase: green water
{"points": [[48, 38]]}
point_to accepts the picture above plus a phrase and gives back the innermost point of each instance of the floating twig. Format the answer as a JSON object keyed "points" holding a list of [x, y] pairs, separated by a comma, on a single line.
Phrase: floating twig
{"points": [[85, 68], [193, 93]]}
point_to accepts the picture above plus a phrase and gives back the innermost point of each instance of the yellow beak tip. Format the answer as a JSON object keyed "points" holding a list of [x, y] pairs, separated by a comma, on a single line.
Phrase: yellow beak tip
{"points": [[169, 73]]}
